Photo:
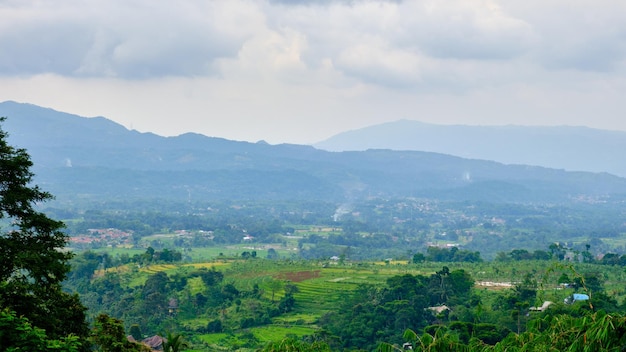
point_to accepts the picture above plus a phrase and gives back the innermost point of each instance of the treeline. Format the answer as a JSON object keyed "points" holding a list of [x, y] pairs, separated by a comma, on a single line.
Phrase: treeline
{"points": [[560, 252], [449, 255], [556, 252]]}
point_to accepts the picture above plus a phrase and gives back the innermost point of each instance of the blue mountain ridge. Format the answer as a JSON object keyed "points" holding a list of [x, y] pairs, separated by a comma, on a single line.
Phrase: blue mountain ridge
{"points": [[96, 159], [571, 148]]}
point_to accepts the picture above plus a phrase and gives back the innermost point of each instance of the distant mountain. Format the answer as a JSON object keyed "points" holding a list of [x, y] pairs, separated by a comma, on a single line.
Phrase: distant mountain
{"points": [[95, 159], [560, 147]]}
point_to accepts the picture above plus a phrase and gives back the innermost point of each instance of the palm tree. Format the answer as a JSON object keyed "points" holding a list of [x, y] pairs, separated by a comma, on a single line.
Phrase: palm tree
{"points": [[174, 343]]}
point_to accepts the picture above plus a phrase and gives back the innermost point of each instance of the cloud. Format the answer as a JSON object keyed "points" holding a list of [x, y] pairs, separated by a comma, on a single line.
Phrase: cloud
{"points": [[376, 62], [405, 44], [474, 30], [139, 39], [412, 44], [576, 35]]}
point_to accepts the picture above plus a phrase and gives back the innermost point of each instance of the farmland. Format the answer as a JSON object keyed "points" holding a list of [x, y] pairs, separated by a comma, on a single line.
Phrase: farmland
{"points": [[245, 282], [321, 288]]}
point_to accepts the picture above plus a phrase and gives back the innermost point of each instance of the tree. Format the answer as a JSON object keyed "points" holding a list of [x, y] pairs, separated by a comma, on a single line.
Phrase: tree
{"points": [[174, 343], [135, 332], [32, 260], [17, 334], [108, 334], [419, 258], [272, 254], [275, 286]]}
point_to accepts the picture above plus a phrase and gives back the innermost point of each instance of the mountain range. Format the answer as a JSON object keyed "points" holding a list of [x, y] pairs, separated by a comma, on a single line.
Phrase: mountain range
{"points": [[95, 159], [571, 148]]}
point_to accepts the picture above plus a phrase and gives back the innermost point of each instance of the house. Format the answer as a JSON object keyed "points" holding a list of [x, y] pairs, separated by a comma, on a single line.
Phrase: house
{"points": [[155, 343], [576, 297], [172, 306]]}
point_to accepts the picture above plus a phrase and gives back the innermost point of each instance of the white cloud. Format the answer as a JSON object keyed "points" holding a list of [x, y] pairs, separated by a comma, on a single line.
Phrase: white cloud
{"points": [[409, 43], [576, 35], [144, 39], [139, 39], [376, 62]]}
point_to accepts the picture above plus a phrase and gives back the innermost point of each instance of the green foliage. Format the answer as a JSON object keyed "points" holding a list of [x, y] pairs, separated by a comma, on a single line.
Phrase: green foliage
{"points": [[437, 254], [32, 262], [214, 326], [274, 286], [108, 335], [389, 301], [372, 314], [294, 345], [18, 334], [596, 332], [135, 332], [174, 343], [440, 340], [418, 258]]}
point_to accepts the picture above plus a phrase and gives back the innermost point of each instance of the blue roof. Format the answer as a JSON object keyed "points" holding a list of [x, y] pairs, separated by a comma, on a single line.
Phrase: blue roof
{"points": [[580, 297]]}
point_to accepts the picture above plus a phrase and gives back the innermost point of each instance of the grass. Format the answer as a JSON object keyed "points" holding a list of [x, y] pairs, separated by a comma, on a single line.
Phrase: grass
{"points": [[212, 339], [276, 332]]}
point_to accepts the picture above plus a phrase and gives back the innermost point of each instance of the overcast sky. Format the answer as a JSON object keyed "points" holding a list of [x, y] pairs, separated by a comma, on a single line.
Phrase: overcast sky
{"points": [[302, 71]]}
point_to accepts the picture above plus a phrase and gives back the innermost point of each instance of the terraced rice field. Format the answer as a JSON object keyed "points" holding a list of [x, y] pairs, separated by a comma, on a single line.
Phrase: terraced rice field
{"points": [[320, 298]]}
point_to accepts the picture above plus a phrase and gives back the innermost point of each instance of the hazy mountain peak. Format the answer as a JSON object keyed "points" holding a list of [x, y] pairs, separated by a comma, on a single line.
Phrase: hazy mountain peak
{"points": [[576, 148]]}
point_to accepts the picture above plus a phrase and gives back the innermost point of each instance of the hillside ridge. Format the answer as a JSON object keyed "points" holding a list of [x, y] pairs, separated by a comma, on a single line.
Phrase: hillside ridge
{"points": [[573, 148], [95, 158]]}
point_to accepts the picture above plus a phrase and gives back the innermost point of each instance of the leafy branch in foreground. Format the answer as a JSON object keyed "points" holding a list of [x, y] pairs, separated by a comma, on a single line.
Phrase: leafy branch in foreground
{"points": [[595, 332]]}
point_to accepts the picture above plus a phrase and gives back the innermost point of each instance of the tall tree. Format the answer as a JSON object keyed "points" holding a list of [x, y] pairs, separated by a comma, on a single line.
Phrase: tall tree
{"points": [[32, 260], [108, 336]]}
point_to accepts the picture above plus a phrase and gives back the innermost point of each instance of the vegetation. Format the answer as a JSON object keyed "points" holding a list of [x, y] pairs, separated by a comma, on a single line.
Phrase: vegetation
{"points": [[594, 332], [18, 334], [32, 261], [356, 305]]}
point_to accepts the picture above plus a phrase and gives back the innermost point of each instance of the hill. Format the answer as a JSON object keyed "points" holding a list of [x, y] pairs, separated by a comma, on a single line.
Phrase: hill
{"points": [[560, 147], [97, 159]]}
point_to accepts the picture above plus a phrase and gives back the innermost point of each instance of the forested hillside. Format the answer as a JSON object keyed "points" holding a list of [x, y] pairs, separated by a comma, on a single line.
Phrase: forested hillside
{"points": [[93, 159], [249, 303]]}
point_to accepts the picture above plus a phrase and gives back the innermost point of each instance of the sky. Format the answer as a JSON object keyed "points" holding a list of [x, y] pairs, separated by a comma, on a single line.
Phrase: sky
{"points": [[302, 71]]}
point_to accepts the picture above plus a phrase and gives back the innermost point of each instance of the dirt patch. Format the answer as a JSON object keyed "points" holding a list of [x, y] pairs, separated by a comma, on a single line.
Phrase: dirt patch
{"points": [[297, 276]]}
